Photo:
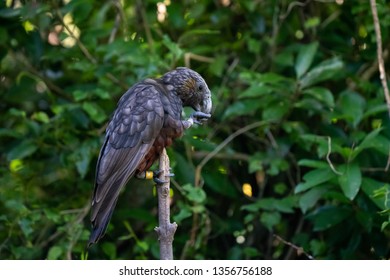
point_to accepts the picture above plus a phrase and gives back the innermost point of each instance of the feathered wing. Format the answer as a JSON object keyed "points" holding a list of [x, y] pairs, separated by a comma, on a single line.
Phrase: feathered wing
{"points": [[135, 125]]}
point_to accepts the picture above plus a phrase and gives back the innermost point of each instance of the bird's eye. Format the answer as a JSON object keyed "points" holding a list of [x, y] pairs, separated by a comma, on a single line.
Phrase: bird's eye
{"points": [[200, 88]]}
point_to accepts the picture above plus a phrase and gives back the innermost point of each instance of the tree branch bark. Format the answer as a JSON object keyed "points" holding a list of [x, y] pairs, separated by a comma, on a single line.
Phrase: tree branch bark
{"points": [[381, 64], [165, 230]]}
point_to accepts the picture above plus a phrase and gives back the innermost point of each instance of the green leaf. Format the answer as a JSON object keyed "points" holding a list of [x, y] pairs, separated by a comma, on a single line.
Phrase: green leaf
{"points": [[194, 194], [94, 111], [351, 179], [284, 205], [239, 108], [9, 13], [368, 142], [313, 163], [328, 216], [310, 198], [318, 247], [312, 22], [372, 188], [272, 78], [184, 213], [80, 95], [270, 219], [285, 58], [305, 58], [321, 94], [384, 225], [256, 162], [351, 105], [314, 178], [109, 249], [264, 204], [173, 48], [256, 90], [23, 149], [276, 111], [41, 117], [26, 226], [218, 65], [102, 94], [324, 71], [54, 253]]}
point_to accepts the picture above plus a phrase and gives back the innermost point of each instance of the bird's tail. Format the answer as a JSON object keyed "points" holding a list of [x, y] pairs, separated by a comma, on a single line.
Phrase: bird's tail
{"points": [[100, 223]]}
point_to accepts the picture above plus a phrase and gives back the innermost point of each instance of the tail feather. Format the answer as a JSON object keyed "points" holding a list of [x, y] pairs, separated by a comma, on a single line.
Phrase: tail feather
{"points": [[100, 223]]}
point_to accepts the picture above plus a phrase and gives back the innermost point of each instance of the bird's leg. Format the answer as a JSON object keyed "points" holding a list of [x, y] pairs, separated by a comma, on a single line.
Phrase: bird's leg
{"points": [[196, 117], [157, 180], [148, 175]]}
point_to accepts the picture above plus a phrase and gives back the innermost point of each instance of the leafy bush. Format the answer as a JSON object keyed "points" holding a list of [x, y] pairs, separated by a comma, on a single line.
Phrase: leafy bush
{"points": [[294, 162]]}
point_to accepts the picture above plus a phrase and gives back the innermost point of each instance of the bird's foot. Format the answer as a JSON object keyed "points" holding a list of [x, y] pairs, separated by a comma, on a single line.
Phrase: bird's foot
{"points": [[198, 118], [157, 180]]}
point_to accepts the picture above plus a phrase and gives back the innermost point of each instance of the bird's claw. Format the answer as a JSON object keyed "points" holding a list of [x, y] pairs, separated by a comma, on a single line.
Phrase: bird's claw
{"points": [[199, 117], [157, 180]]}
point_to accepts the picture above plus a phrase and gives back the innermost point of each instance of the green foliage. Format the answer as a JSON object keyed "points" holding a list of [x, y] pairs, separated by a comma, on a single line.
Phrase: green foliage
{"points": [[310, 165]]}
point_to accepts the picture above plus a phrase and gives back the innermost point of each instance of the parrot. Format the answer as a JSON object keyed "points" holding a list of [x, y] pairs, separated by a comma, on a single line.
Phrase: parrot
{"points": [[148, 117]]}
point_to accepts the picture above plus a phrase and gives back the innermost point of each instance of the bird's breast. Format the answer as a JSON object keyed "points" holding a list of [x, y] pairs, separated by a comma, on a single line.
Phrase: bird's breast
{"points": [[168, 133]]}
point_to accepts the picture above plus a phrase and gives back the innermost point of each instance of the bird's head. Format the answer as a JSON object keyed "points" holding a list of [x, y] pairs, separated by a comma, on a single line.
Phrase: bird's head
{"points": [[191, 88]]}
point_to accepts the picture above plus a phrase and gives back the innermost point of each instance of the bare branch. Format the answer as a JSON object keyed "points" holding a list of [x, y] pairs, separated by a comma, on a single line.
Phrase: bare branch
{"points": [[381, 64], [165, 230], [298, 249]]}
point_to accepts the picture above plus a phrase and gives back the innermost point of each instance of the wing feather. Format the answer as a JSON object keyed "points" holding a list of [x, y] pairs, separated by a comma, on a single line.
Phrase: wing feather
{"points": [[131, 133]]}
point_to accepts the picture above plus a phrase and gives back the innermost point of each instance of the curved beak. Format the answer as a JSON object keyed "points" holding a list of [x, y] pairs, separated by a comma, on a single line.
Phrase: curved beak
{"points": [[206, 104]]}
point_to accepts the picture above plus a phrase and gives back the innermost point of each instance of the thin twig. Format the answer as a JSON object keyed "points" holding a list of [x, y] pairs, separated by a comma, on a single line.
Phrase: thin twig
{"points": [[222, 145], [291, 6], [381, 64], [296, 232], [146, 26], [298, 249], [188, 56], [328, 157], [379, 169], [115, 28]]}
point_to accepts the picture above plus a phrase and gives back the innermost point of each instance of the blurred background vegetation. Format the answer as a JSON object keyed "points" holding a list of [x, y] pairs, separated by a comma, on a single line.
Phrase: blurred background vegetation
{"points": [[294, 163]]}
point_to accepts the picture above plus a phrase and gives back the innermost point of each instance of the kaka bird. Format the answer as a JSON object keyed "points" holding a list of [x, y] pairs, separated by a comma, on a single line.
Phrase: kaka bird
{"points": [[146, 120]]}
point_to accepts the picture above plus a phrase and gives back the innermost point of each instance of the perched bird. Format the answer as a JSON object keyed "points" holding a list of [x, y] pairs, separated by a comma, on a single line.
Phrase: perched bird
{"points": [[147, 119]]}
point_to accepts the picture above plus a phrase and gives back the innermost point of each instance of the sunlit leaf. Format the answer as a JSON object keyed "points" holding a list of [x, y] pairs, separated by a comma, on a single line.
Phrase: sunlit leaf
{"points": [[314, 178], [194, 194], [324, 71], [305, 58], [350, 180]]}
